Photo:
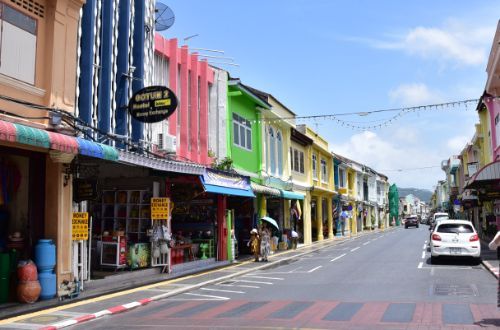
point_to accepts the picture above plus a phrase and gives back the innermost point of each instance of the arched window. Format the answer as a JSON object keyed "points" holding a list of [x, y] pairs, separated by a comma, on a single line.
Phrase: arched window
{"points": [[272, 152], [279, 151]]}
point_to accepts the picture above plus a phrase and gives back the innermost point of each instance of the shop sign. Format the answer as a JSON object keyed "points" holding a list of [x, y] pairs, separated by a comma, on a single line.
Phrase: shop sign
{"points": [[84, 190], [226, 180], [80, 226], [152, 104], [160, 208]]}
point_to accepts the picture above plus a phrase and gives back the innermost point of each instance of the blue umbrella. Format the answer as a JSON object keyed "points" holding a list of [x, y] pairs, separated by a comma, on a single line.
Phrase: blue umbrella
{"points": [[271, 221]]}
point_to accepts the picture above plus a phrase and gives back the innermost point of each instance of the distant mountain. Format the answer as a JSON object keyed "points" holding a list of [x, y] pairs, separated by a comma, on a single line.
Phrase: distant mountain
{"points": [[423, 194]]}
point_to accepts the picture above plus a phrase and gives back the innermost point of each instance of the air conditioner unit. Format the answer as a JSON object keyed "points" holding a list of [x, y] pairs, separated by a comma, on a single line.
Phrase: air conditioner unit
{"points": [[167, 143]]}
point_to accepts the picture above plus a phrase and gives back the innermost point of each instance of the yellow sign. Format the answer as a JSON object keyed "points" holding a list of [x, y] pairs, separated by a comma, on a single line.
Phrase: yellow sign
{"points": [[80, 226], [160, 208]]}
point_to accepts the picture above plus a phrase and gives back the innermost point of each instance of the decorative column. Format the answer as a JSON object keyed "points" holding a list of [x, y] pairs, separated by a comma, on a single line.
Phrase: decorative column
{"points": [[330, 217], [319, 218]]}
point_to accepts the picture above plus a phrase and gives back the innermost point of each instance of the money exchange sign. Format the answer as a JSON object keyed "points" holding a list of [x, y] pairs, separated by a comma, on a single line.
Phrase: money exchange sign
{"points": [[80, 226], [160, 208]]}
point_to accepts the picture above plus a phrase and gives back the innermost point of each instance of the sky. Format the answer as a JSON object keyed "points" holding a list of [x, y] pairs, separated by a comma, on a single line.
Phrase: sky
{"points": [[324, 57]]}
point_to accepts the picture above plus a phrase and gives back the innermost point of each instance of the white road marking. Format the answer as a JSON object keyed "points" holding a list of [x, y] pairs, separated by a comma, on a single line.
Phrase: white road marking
{"points": [[264, 277], [423, 254], [256, 282], [420, 264], [425, 246], [340, 256], [355, 249], [425, 242], [241, 286], [221, 290], [312, 270], [366, 243], [208, 296]]}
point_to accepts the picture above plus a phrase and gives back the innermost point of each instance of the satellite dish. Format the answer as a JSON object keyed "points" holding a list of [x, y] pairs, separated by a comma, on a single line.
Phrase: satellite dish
{"points": [[164, 16]]}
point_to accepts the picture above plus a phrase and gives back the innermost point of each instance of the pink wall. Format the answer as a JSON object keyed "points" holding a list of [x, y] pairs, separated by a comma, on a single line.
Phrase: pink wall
{"points": [[493, 105], [193, 140]]}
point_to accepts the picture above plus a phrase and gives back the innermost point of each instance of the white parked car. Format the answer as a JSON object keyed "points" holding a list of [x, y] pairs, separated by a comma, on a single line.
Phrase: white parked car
{"points": [[457, 238]]}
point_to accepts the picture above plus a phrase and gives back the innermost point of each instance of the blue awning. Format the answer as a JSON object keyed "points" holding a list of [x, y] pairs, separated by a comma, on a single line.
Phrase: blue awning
{"points": [[291, 195], [224, 183], [210, 188], [89, 148]]}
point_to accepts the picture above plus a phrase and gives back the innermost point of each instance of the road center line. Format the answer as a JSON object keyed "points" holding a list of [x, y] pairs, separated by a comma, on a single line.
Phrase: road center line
{"points": [[420, 264], [366, 243], [423, 254], [312, 270], [340, 256], [221, 290], [355, 249], [264, 277]]}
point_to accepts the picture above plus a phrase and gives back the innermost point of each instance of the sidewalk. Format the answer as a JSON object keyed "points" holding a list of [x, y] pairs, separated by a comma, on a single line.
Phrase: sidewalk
{"points": [[489, 259]]}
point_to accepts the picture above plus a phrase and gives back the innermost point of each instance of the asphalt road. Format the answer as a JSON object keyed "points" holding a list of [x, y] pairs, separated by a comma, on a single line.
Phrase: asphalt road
{"points": [[379, 281]]}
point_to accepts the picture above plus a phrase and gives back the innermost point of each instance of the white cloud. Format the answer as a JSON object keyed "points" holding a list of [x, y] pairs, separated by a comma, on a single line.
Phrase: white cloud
{"points": [[454, 42], [388, 156], [414, 94]]}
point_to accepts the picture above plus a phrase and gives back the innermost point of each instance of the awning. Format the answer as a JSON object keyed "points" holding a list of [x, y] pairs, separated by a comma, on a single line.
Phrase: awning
{"points": [[63, 143], [89, 148], [159, 164], [291, 195], [488, 178], [260, 189], [7, 131], [32, 136], [219, 182]]}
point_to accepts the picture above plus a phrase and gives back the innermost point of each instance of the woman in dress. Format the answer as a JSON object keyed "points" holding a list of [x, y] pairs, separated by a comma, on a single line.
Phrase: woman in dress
{"points": [[254, 243], [265, 242]]}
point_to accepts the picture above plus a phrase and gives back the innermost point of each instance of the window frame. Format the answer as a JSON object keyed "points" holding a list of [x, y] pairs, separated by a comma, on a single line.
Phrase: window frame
{"points": [[314, 166], [242, 125], [324, 170]]}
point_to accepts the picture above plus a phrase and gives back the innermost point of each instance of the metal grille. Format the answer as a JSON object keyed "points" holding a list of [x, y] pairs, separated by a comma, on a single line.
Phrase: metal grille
{"points": [[114, 43], [31, 6], [97, 62], [130, 61], [462, 290], [78, 70]]}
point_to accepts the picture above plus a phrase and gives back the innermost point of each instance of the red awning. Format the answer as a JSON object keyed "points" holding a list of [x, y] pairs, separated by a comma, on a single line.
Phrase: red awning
{"points": [[7, 131], [63, 143], [487, 177]]}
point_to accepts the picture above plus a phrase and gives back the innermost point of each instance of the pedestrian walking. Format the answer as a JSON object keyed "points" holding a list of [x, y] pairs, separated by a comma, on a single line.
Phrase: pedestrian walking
{"points": [[265, 243], [343, 218], [254, 244], [295, 238], [495, 245]]}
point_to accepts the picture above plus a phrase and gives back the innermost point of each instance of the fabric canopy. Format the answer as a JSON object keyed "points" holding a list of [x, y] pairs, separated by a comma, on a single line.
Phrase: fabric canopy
{"points": [[291, 195], [220, 182], [260, 189], [487, 177], [32, 136]]}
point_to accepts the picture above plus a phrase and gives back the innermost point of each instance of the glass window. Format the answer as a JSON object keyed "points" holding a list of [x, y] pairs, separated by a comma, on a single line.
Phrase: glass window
{"points": [[454, 228], [279, 150], [272, 151], [314, 166], [301, 170], [324, 174], [296, 160], [242, 131]]}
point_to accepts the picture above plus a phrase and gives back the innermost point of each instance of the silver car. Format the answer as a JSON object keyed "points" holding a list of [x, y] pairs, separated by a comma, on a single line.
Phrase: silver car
{"points": [[457, 238]]}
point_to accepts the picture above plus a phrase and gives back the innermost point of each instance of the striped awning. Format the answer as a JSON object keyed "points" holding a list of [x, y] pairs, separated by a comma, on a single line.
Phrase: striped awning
{"points": [[487, 177], [36, 137], [264, 190]]}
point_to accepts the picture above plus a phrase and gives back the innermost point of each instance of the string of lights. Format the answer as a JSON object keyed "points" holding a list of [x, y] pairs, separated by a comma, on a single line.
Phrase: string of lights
{"points": [[410, 169], [380, 123]]}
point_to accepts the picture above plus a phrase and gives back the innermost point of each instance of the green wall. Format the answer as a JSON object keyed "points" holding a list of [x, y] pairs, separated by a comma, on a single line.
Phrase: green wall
{"points": [[244, 159]]}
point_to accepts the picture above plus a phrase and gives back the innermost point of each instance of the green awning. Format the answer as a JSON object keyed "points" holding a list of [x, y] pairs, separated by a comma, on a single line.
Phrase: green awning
{"points": [[32, 136], [109, 153], [291, 195]]}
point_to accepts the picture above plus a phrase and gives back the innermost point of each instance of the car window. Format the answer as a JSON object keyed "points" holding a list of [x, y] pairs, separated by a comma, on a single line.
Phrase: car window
{"points": [[454, 228], [441, 216]]}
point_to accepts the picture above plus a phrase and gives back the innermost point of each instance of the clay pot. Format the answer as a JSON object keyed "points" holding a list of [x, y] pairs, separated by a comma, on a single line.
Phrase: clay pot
{"points": [[26, 271], [28, 291]]}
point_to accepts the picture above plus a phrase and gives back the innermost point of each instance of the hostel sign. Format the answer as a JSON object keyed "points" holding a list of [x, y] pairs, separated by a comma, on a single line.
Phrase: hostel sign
{"points": [[152, 104], [160, 208], [80, 226]]}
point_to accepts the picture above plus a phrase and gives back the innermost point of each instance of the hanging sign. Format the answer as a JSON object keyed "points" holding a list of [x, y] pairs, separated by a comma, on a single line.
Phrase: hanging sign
{"points": [[160, 208], [84, 190], [80, 226], [152, 104]]}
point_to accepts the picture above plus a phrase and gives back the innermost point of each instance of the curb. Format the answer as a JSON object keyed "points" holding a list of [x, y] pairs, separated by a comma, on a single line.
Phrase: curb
{"points": [[493, 270], [125, 307]]}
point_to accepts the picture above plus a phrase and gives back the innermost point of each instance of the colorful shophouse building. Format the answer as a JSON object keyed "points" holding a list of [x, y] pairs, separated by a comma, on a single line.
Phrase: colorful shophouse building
{"points": [[38, 69]]}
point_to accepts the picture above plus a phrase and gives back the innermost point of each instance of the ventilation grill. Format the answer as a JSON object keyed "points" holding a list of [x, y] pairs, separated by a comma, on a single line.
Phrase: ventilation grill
{"points": [[31, 6]]}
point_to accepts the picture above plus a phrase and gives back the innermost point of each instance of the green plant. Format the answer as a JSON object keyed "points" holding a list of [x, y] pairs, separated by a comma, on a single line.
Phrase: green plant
{"points": [[225, 164]]}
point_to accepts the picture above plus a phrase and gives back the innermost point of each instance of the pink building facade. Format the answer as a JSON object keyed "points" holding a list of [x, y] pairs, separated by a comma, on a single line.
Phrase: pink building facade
{"points": [[190, 78]]}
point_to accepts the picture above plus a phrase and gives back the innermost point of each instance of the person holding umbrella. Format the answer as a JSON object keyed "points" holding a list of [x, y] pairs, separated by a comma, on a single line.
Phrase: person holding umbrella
{"points": [[265, 242]]}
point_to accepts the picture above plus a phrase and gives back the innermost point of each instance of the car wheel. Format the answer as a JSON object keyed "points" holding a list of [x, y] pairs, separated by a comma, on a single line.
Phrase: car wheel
{"points": [[406, 227], [433, 260], [477, 261], [417, 226]]}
